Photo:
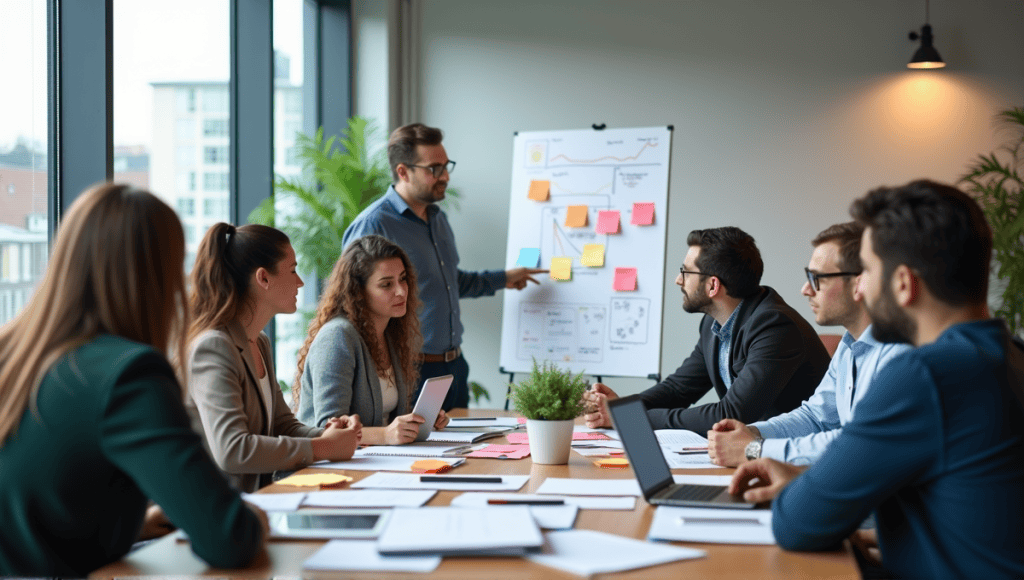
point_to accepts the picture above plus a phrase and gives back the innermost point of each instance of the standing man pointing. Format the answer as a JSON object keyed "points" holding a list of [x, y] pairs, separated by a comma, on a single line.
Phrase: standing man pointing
{"points": [[409, 216]]}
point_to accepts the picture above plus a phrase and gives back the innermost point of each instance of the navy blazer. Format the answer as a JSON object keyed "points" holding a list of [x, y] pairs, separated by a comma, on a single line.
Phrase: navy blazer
{"points": [[777, 360]]}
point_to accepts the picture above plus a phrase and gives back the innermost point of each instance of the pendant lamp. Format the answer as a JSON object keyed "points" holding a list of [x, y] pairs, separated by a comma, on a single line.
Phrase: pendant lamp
{"points": [[926, 56]]}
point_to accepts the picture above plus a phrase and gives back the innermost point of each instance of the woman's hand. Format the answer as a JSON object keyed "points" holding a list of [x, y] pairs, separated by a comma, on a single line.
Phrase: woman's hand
{"points": [[403, 429], [339, 440], [441, 422]]}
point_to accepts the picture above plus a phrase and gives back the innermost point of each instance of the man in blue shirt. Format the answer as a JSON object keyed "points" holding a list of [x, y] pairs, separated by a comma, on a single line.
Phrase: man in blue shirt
{"points": [[408, 215], [801, 435], [936, 446]]}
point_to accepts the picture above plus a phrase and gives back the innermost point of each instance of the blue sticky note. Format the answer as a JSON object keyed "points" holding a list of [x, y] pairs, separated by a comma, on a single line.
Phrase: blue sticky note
{"points": [[529, 257]]}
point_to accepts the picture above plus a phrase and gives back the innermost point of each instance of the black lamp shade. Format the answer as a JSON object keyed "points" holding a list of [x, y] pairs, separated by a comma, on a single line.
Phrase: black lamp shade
{"points": [[926, 56]]}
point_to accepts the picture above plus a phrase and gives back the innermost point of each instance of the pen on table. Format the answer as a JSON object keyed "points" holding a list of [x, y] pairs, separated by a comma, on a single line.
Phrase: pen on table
{"points": [[686, 452], [704, 448], [719, 521], [474, 419], [457, 479], [494, 501]]}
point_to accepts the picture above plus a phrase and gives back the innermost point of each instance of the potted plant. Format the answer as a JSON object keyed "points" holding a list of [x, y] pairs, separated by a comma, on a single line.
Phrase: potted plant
{"points": [[550, 399], [998, 185]]}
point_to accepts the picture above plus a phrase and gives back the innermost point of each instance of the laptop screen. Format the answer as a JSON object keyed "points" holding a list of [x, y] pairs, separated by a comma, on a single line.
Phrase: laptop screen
{"points": [[642, 448]]}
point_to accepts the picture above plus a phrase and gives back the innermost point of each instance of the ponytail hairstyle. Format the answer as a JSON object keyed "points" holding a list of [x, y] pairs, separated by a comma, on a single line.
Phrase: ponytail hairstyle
{"points": [[116, 269], [345, 295], [225, 262]]}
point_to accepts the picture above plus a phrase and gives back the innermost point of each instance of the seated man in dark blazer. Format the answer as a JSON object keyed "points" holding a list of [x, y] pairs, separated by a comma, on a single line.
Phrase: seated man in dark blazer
{"points": [[761, 357]]}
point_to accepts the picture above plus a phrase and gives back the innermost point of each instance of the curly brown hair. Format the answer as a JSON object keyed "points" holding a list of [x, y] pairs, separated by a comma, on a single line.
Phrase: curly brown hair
{"points": [[345, 295]]}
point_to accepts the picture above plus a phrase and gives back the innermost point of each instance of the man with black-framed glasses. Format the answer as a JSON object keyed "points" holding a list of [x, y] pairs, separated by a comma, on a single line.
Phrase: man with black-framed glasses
{"points": [[409, 216], [802, 435], [760, 355]]}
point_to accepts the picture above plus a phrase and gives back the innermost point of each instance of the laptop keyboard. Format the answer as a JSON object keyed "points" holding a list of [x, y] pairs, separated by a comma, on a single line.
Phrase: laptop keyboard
{"points": [[695, 492]]}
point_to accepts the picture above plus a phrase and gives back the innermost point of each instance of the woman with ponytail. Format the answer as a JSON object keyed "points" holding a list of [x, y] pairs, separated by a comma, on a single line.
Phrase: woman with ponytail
{"points": [[92, 425], [360, 355], [242, 278]]}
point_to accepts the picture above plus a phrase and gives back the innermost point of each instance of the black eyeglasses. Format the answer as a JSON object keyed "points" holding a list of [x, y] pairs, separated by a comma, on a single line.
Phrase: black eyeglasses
{"points": [[438, 169], [814, 277], [684, 272]]}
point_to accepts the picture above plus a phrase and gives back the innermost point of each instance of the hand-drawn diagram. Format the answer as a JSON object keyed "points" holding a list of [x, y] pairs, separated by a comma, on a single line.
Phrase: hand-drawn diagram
{"points": [[629, 320], [561, 332]]}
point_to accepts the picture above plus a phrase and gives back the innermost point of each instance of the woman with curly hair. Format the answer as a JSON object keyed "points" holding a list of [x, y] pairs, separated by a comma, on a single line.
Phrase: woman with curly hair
{"points": [[360, 355]]}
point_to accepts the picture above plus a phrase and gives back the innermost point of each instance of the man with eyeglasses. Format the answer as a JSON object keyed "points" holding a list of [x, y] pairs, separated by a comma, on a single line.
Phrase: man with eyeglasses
{"points": [[801, 435], [409, 216], [760, 355]]}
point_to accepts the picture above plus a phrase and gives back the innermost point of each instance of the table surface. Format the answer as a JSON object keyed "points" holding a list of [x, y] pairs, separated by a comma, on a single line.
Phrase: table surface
{"points": [[168, 557]]}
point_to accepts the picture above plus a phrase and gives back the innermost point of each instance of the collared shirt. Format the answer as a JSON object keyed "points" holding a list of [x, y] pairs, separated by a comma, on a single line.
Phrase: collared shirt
{"points": [[802, 435], [431, 248], [724, 334]]}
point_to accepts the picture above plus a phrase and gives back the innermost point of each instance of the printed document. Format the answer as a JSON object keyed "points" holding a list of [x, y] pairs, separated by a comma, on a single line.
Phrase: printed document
{"points": [[460, 531], [586, 552], [575, 486], [715, 525], [362, 555]]}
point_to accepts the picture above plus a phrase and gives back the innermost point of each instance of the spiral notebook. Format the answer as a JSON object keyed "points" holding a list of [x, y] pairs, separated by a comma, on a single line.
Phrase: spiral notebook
{"points": [[414, 450]]}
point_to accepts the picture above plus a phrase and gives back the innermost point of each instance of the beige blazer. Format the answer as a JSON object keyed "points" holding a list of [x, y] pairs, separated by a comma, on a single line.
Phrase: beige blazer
{"points": [[247, 433]]}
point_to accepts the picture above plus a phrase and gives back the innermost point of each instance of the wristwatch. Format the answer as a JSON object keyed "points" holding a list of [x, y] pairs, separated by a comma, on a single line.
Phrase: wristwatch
{"points": [[753, 449]]}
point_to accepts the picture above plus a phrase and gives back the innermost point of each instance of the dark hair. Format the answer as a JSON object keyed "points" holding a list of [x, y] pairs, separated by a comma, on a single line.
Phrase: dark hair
{"points": [[345, 295], [937, 231], [225, 262], [729, 254], [403, 141], [847, 236]]}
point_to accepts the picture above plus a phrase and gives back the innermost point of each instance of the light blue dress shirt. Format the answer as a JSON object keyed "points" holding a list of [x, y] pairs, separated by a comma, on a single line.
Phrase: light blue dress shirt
{"points": [[724, 334], [431, 248], [801, 435]]}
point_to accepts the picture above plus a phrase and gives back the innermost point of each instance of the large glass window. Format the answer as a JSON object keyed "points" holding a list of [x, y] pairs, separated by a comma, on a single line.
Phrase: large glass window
{"points": [[171, 70], [24, 205]]}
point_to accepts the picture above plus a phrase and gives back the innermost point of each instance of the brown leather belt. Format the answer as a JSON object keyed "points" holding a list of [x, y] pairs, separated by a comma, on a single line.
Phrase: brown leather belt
{"points": [[443, 357]]}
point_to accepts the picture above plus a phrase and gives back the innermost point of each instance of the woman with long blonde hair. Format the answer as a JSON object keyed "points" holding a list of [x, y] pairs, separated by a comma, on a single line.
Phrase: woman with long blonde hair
{"points": [[92, 424], [360, 354], [242, 278]]}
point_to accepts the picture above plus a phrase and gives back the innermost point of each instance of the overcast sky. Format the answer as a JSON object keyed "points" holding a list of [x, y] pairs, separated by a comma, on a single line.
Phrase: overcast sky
{"points": [[184, 40]]}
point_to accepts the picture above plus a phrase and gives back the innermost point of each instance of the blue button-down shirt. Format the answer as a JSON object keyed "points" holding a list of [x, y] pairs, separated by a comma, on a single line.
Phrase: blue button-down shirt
{"points": [[724, 334], [802, 435], [431, 248]]}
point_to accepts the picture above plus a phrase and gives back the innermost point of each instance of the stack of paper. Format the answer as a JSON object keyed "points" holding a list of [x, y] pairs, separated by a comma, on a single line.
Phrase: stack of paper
{"points": [[460, 531], [586, 552], [716, 525], [680, 448]]}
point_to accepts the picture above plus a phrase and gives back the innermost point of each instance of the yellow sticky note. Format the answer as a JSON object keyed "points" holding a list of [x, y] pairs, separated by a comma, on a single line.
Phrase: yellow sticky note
{"points": [[315, 479], [612, 463], [576, 216], [593, 255], [561, 268], [539, 190]]}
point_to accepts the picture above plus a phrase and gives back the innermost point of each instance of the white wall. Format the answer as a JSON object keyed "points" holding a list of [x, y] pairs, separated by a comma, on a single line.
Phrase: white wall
{"points": [[784, 112]]}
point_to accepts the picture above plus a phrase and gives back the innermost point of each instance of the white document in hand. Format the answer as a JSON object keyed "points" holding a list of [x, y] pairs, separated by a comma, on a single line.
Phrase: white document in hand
{"points": [[460, 531], [714, 525], [572, 486], [586, 552], [362, 555]]}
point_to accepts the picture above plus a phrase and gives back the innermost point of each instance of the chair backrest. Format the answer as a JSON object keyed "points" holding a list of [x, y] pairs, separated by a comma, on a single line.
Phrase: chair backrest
{"points": [[831, 342]]}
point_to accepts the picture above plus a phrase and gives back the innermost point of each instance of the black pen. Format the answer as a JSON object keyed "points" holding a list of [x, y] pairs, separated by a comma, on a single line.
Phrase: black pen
{"points": [[474, 418], [457, 479], [525, 502]]}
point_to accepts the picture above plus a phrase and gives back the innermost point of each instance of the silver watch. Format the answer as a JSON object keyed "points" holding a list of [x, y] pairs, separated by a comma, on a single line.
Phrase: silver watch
{"points": [[753, 449]]}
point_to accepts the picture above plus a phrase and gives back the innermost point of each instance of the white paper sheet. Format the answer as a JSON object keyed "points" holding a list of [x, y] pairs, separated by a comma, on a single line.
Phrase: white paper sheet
{"points": [[584, 503], [714, 525], [359, 498], [512, 422], [362, 555], [425, 449], [609, 432], [381, 463], [598, 451], [575, 486], [702, 479], [454, 530], [275, 502], [679, 438], [698, 461], [555, 517], [586, 552], [611, 444], [445, 436], [412, 481]]}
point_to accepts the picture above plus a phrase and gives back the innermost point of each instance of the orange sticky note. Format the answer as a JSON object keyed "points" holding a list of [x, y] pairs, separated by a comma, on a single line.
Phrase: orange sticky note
{"points": [[561, 268], [608, 221], [576, 216], [612, 463], [593, 255], [643, 213], [625, 279], [539, 190], [430, 466]]}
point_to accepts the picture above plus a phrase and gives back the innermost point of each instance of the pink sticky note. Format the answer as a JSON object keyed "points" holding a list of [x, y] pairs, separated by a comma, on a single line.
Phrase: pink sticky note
{"points": [[518, 438], [608, 221], [577, 436], [643, 213], [502, 452], [625, 279], [521, 420]]}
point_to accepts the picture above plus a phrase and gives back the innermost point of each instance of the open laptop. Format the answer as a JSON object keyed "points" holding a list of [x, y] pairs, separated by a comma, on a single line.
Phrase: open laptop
{"points": [[652, 472]]}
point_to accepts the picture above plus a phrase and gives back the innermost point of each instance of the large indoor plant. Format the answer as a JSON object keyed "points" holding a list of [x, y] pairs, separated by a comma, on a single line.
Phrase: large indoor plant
{"points": [[550, 399], [996, 181]]}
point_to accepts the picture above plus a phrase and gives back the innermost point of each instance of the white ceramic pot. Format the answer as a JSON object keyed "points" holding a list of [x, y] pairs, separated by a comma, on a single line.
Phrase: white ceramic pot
{"points": [[550, 441]]}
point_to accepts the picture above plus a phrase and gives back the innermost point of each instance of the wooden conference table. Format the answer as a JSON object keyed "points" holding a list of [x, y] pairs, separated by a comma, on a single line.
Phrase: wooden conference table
{"points": [[168, 557]]}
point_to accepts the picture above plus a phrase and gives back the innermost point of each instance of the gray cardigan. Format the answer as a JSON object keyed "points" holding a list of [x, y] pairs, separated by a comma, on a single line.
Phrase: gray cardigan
{"points": [[339, 378]]}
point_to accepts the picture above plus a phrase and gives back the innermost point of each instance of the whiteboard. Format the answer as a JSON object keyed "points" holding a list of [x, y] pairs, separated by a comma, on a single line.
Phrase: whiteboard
{"points": [[584, 324]]}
